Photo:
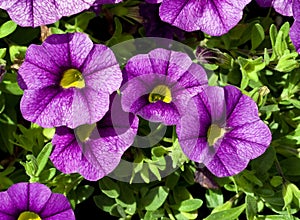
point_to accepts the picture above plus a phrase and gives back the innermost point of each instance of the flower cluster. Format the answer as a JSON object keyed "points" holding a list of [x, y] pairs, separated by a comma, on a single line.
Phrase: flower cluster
{"points": [[95, 125]]}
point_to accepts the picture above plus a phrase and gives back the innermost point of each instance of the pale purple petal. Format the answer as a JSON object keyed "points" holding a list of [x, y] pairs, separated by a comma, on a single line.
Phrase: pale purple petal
{"points": [[101, 70], [240, 109], [35, 12], [294, 35], [251, 139], [213, 17], [68, 50], [284, 7], [226, 161]]}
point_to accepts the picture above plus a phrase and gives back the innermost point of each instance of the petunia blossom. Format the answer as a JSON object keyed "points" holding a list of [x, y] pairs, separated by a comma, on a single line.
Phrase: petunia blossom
{"points": [[34, 201], [214, 17], [95, 150], [160, 84], [226, 133], [67, 81], [283, 7], [35, 13]]}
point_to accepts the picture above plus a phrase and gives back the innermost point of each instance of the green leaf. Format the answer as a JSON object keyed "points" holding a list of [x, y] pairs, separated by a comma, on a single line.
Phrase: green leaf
{"points": [[188, 205], [257, 35], [214, 198], [181, 193], [2, 53], [82, 193], [155, 198], [43, 157], [229, 214], [263, 163], [109, 187], [251, 207], [127, 199], [7, 28], [287, 193], [276, 181], [291, 166], [103, 202]]}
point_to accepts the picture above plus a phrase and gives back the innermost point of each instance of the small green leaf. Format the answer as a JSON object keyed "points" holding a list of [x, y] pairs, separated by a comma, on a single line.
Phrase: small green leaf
{"points": [[229, 214], [214, 198], [7, 28], [109, 187], [155, 198], [103, 202], [43, 157], [276, 181], [287, 193], [257, 35], [188, 205], [2, 53], [251, 207]]}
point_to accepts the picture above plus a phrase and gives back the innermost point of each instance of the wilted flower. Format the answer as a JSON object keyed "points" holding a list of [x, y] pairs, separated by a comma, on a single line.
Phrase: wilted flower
{"points": [[154, 26], [67, 81], [96, 6], [160, 84], [226, 133], [36, 12], [95, 150], [33, 201], [214, 17]]}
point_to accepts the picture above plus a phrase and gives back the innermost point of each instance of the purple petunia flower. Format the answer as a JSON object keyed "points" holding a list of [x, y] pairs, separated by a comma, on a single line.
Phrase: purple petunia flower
{"points": [[36, 12], [160, 84], [34, 201], [67, 81], [95, 150], [214, 17], [226, 133]]}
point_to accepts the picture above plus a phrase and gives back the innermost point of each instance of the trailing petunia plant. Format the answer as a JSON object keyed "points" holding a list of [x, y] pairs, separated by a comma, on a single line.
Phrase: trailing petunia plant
{"points": [[155, 109]]}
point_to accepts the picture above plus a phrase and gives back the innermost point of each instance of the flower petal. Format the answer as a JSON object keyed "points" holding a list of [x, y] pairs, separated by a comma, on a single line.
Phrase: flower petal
{"points": [[35, 13], [214, 17], [240, 109], [101, 70], [68, 50], [57, 208], [294, 35], [284, 7], [8, 208]]}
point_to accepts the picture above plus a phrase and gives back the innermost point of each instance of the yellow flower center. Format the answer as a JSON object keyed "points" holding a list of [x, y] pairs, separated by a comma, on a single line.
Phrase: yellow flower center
{"points": [[29, 216], [214, 134], [72, 78], [83, 132], [162, 93]]}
